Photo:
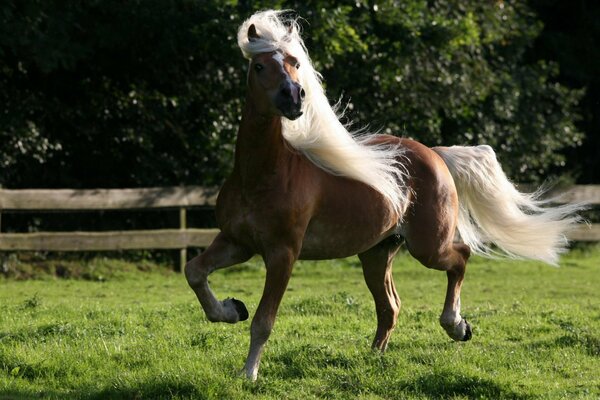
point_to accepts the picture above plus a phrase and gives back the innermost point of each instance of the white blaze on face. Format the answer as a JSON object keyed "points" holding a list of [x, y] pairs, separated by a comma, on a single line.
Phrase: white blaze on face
{"points": [[279, 57]]}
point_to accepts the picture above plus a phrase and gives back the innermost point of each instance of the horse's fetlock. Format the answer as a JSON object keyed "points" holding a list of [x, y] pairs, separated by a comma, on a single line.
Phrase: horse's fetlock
{"points": [[212, 317], [450, 320]]}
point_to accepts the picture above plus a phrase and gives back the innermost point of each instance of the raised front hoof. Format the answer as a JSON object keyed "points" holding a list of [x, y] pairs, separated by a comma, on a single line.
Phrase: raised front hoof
{"points": [[461, 332], [241, 309], [234, 310]]}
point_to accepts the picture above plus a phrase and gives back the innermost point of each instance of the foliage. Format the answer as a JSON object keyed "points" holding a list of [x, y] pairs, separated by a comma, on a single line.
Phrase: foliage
{"points": [[142, 93], [571, 35], [120, 94], [142, 335], [453, 73]]}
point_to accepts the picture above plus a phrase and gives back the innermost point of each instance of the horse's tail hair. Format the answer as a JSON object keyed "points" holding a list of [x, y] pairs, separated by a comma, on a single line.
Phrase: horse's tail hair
{"points": [[492, 210]]}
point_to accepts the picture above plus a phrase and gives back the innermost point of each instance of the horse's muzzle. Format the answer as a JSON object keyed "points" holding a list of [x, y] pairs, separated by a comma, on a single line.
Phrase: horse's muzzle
{"points": [[289, 100], [293, 115]]}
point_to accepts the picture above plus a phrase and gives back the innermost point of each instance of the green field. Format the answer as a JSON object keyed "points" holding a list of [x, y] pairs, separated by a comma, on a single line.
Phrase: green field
{"points": [[141, 334]]}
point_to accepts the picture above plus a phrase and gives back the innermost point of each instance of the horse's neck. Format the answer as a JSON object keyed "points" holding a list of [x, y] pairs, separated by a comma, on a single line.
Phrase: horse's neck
{"points": [[260, 150]]}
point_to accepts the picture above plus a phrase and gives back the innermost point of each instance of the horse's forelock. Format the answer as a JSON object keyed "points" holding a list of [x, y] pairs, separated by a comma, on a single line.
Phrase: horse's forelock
{"points": [[275, 31]]}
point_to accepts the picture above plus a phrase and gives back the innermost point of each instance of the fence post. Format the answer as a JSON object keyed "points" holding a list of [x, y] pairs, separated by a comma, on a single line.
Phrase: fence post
{"points": [[182, 226]]}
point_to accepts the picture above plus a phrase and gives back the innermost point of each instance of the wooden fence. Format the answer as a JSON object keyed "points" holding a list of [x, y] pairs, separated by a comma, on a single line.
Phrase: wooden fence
{"points": [[167, 197], [109, 199]]}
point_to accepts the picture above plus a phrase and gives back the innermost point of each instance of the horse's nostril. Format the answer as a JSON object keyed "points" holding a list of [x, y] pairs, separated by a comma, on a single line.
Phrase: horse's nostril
{"points": [[302, 94], [286, 91]]}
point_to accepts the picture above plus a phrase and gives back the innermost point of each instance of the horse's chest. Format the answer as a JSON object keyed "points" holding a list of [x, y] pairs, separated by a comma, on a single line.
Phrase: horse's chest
{"points": [[258, 218], [239, 220]]}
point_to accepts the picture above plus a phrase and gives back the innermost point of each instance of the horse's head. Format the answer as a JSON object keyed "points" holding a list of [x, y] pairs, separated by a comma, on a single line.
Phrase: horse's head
{"points": [[273, 82]]}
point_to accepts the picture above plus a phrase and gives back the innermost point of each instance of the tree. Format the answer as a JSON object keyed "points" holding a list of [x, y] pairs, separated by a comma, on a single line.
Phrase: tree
{"points": [[570, 37], [454, 72], [143, 93]]}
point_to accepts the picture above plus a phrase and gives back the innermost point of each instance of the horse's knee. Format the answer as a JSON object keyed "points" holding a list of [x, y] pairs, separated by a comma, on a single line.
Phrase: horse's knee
{"points": [[261, 328], [194, 273]]}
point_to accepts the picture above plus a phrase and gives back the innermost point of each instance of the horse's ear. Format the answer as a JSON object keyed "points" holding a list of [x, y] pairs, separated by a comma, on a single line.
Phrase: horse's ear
{"points": [[252, 34]]}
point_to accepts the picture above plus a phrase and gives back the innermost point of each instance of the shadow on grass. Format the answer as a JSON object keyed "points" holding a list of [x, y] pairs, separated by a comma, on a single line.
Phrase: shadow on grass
{"points": [[164, 388], [307, 360], [150, 390], [433, 385], [573, 336], [345, 375], [158, 389], [589, 343], [27, 395], [442, 386]]}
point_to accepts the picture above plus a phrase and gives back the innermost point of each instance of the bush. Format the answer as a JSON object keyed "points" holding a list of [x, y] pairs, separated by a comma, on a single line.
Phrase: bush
{"points": [[144, 93]]}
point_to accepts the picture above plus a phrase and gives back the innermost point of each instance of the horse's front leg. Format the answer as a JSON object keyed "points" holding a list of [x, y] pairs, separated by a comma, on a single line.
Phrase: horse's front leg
{"points": [[220, 254], [279, 264]]}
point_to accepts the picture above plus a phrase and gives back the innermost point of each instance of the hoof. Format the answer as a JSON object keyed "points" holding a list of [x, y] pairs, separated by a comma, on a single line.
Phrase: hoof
{"points": [[460, 332], [250, 376], [243, 311], [468, 332]]}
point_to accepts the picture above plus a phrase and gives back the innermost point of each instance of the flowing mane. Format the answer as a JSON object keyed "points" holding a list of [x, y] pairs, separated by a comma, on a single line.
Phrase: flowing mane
{"points": [[318, 133]]}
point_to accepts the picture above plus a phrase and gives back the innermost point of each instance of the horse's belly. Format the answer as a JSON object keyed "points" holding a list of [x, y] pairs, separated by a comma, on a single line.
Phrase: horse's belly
{"points": [[326, 239]]}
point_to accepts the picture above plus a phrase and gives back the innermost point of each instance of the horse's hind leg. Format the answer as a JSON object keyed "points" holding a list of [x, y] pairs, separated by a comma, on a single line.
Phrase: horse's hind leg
{"points": [[438, 252], [220, 254], [429, 231], [454, 264], [377, 269]]}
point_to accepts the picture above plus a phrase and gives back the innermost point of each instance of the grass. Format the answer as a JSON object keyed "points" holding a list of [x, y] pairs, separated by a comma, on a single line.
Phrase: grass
{"points": [[141, 334]]}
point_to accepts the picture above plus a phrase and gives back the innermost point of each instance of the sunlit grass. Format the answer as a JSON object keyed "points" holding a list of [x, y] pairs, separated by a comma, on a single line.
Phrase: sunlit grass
{"points": [[142, 335]]}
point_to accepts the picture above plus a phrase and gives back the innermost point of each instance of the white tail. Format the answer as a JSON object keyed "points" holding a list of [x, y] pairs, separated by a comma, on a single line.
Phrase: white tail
{"points": [[492, 210]]}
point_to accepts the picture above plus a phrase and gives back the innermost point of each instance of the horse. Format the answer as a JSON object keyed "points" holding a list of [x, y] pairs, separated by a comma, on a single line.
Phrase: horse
{"points": [[304, 187]]}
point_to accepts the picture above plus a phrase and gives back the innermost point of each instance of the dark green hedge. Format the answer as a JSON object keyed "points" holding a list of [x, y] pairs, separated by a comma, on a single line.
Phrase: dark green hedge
{"points": [[107, 93]]}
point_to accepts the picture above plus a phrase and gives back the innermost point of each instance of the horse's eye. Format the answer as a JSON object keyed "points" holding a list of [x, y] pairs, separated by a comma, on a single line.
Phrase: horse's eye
{"points": [[258, 67]]}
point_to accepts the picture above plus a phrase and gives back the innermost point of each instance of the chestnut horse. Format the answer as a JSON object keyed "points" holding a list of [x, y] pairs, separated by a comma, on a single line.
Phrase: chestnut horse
{"points": [[303, 187]]}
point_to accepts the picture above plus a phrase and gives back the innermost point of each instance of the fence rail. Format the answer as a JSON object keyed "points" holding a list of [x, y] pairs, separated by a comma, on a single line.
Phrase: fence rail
{"points": [[181, 197], [167, 197], [107, 199], [112, 240]]}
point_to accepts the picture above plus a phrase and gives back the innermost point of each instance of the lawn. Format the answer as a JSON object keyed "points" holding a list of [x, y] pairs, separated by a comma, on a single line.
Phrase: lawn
{"points": [[126, 333]]}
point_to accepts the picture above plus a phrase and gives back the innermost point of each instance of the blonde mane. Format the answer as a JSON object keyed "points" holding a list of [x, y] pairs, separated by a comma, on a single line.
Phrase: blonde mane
{"points": [[318, 133]]}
